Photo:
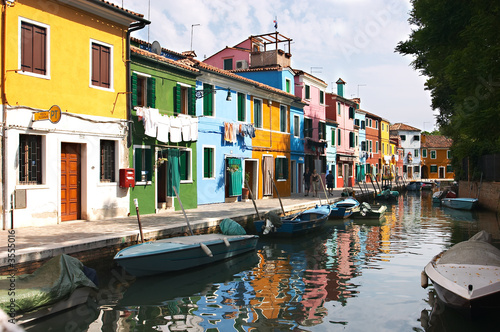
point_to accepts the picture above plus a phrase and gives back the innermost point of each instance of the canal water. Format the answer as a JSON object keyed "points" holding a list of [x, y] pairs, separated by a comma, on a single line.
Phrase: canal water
{"points": [[351, 276]]}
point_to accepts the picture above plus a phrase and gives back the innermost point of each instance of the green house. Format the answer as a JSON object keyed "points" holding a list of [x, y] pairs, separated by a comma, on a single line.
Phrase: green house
{"points": [[162, 150]]}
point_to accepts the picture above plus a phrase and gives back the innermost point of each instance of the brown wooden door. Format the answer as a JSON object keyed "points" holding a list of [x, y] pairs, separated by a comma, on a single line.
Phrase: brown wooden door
{"points": [[70, 181]]}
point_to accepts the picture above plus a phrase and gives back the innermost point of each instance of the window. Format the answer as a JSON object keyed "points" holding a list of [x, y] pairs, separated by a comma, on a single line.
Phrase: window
{"points": [[363, 146], [376, 147], [371, 146], [433, 154], [107, 161], [382, 126], [339, 170], [288, 85], [416, 169], [208, 162], [416, 138], [449, 168], [415, 151], [296, 126], [362, 124], [434, 169], [448, 154], [143, 164], [339, 132], [257, 113], [228, 64], [351, 139], [321, 97], [185, 99], [30, 159], [307, 127], [383, 148], [403, 137], [356, 122], [370, 125], [322, 160], [143, 90], [376, 124], [351, 112], [34, 42], [308, 92], [208, 99], [333, 137], [101, 65], [322, 130], [424, 153], [185, 165], [283, 119], [242, 106], [281, 168], [339, 111]]}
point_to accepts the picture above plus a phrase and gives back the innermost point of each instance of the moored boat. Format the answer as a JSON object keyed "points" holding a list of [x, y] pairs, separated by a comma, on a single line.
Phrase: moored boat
{"points": [[367, 211], [183, 252], [414, 185], [296, 224], [343, 208], [460, 203], [467, 276]]}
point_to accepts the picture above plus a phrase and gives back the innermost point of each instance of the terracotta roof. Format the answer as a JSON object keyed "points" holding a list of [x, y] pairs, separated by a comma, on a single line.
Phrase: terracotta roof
{"points": [[436, 141], [143, 42], [120, 8], [202, 65], [181, 63], [254, 69], [372, 115], [402, 126], [301, 72]]}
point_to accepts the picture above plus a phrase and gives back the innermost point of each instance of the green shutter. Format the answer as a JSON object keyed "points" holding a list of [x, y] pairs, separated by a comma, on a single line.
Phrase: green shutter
{"points": [[351, 140], [183, 165], [338, 135], [241, 107], [138, 164], [207, 100], [151, 92], [208, 162], [148, 156], [134, 90], [333, 137], [285, 169], [177, 99], [192, 101]]}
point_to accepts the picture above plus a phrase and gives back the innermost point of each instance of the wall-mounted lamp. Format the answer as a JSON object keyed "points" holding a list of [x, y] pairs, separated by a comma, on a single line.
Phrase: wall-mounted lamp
{"points": [[203, 92]]}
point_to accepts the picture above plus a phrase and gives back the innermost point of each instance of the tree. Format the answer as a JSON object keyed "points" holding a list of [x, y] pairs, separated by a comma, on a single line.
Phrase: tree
{"points": [[456, 44]]}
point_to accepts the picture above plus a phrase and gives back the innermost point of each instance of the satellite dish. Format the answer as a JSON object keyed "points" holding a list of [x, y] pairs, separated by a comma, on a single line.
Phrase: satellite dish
{"points": [[156, 48]]}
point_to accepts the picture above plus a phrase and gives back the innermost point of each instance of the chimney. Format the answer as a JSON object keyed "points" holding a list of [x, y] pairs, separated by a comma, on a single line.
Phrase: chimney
{"points": [[340, 87]]}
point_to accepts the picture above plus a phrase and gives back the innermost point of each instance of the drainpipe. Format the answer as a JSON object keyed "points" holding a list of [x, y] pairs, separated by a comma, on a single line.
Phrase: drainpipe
{"points": [[4, 120], [133, 27]]}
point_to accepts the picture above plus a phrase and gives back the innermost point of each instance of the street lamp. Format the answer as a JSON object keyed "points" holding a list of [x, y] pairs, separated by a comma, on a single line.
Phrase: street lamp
{"points": [[203, 92]]}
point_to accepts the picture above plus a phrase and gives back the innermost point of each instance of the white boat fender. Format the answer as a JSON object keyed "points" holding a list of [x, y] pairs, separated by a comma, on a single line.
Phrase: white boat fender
{"points": [[424, 281], [268, 227], [206, 250], [226, 242]]}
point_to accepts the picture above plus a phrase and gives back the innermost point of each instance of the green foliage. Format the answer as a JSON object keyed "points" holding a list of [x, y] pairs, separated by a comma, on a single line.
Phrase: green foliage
{"points": [[456, 44]]}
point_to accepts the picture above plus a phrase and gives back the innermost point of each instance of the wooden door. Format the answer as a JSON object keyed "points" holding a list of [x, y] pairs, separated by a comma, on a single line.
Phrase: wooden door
{"points": [[70, 182]]}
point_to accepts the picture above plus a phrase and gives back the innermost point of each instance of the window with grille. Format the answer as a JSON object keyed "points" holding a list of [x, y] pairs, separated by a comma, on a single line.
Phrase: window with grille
{"points": [[143, 164], [433, 154], [30, 159], [34, 48], [281, 168], [101, 66], [107, 161]]}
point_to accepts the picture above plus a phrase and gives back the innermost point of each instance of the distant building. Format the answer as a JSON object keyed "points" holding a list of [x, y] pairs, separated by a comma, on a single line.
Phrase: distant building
{"points": [[410, 142], [436, 157]]}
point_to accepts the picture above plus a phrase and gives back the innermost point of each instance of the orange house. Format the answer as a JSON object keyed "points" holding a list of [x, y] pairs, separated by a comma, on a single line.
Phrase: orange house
{"points": [[436, 157]]}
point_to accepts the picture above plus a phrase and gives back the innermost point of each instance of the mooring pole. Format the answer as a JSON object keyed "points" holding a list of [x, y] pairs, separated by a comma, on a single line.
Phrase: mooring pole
{"points": [[184, 212], [253, 201], [136, 202], [277, 192]]}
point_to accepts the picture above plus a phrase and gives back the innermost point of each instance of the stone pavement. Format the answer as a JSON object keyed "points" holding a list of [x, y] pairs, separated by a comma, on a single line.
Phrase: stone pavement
{"points": [[40, 243]]}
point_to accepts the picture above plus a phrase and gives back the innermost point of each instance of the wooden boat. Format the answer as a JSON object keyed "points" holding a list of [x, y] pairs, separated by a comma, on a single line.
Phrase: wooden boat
{"points": [[467, 276], [460, 203], [439, 195], [388, 194], [367, 211], [180, 253], [344, 208], [297, 224], [414, 185]]}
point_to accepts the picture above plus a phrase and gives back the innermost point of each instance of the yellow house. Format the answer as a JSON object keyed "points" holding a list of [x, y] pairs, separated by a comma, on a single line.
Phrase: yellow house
{"points": [[386, 151], [64, 109], [271, 144]]}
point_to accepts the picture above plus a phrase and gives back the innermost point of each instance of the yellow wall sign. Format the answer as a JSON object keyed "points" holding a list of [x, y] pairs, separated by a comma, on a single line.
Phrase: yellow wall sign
{"points": [[53, 114]]}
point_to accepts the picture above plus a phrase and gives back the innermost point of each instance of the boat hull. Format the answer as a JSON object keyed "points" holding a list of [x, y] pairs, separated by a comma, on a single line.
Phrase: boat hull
{"points": [[181, 253], [344, 208], [303, 223], [460, 203], [371, 213]]}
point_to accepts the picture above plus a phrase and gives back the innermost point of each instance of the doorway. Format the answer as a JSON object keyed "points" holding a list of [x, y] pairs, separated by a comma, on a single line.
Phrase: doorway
{"points": [[70, 181]]}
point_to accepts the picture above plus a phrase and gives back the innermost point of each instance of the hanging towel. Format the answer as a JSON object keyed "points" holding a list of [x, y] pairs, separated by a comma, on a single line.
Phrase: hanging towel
{"points": [[175, 130], [163, 128], [194, 129], [139, 111], [227, 132], [235, 132], [151, 116], [186, 128]]}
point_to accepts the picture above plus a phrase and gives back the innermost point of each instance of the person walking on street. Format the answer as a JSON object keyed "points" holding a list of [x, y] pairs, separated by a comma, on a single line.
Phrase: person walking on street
{"points": [[329, 183], [315, 182], [307, 181]]}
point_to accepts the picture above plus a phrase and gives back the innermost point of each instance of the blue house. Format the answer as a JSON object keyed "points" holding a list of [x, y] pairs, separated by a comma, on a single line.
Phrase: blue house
{"points": [[360, 122]]}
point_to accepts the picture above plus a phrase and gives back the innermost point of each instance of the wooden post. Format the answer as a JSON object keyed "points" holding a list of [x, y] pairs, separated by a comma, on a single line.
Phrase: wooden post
{"points": [[136, 202], [253, 201], [277, 192], [326, 195], [184, 212]]}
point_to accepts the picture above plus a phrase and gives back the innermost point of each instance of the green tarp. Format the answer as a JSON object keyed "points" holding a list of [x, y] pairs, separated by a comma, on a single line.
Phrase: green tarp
{"points": [[53, 282], [174, 177]]}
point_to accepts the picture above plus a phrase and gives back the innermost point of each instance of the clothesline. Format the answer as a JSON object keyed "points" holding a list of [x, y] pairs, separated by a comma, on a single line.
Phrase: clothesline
{"points": [[182, 128], [232, 129]]}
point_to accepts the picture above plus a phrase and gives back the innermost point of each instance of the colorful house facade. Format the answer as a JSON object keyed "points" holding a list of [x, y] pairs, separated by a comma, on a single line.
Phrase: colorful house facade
{"points": [[372, 145], [436, 157], [410, 142], [360, 122], [64, 138], [162, 153]]}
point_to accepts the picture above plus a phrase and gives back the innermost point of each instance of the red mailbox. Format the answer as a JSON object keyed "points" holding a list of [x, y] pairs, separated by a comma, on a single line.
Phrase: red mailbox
{"points": [[127, 177]]}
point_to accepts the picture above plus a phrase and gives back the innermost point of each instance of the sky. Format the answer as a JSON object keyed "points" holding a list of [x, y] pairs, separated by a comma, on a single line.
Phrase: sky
{"points": [[349, 39]]}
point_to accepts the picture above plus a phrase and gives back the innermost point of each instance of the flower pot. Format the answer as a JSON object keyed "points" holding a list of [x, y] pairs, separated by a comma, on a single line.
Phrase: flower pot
{"points": [[244, 193]]}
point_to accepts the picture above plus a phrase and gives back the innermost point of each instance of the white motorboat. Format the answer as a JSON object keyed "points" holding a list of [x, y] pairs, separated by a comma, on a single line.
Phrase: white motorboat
{"points": [[467, 276]]}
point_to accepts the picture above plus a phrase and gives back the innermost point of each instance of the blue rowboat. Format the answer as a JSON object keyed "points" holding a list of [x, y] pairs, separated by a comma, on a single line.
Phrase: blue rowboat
{"points": [[460, 203], [297, 224], [180, 253], [344, 208]]}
